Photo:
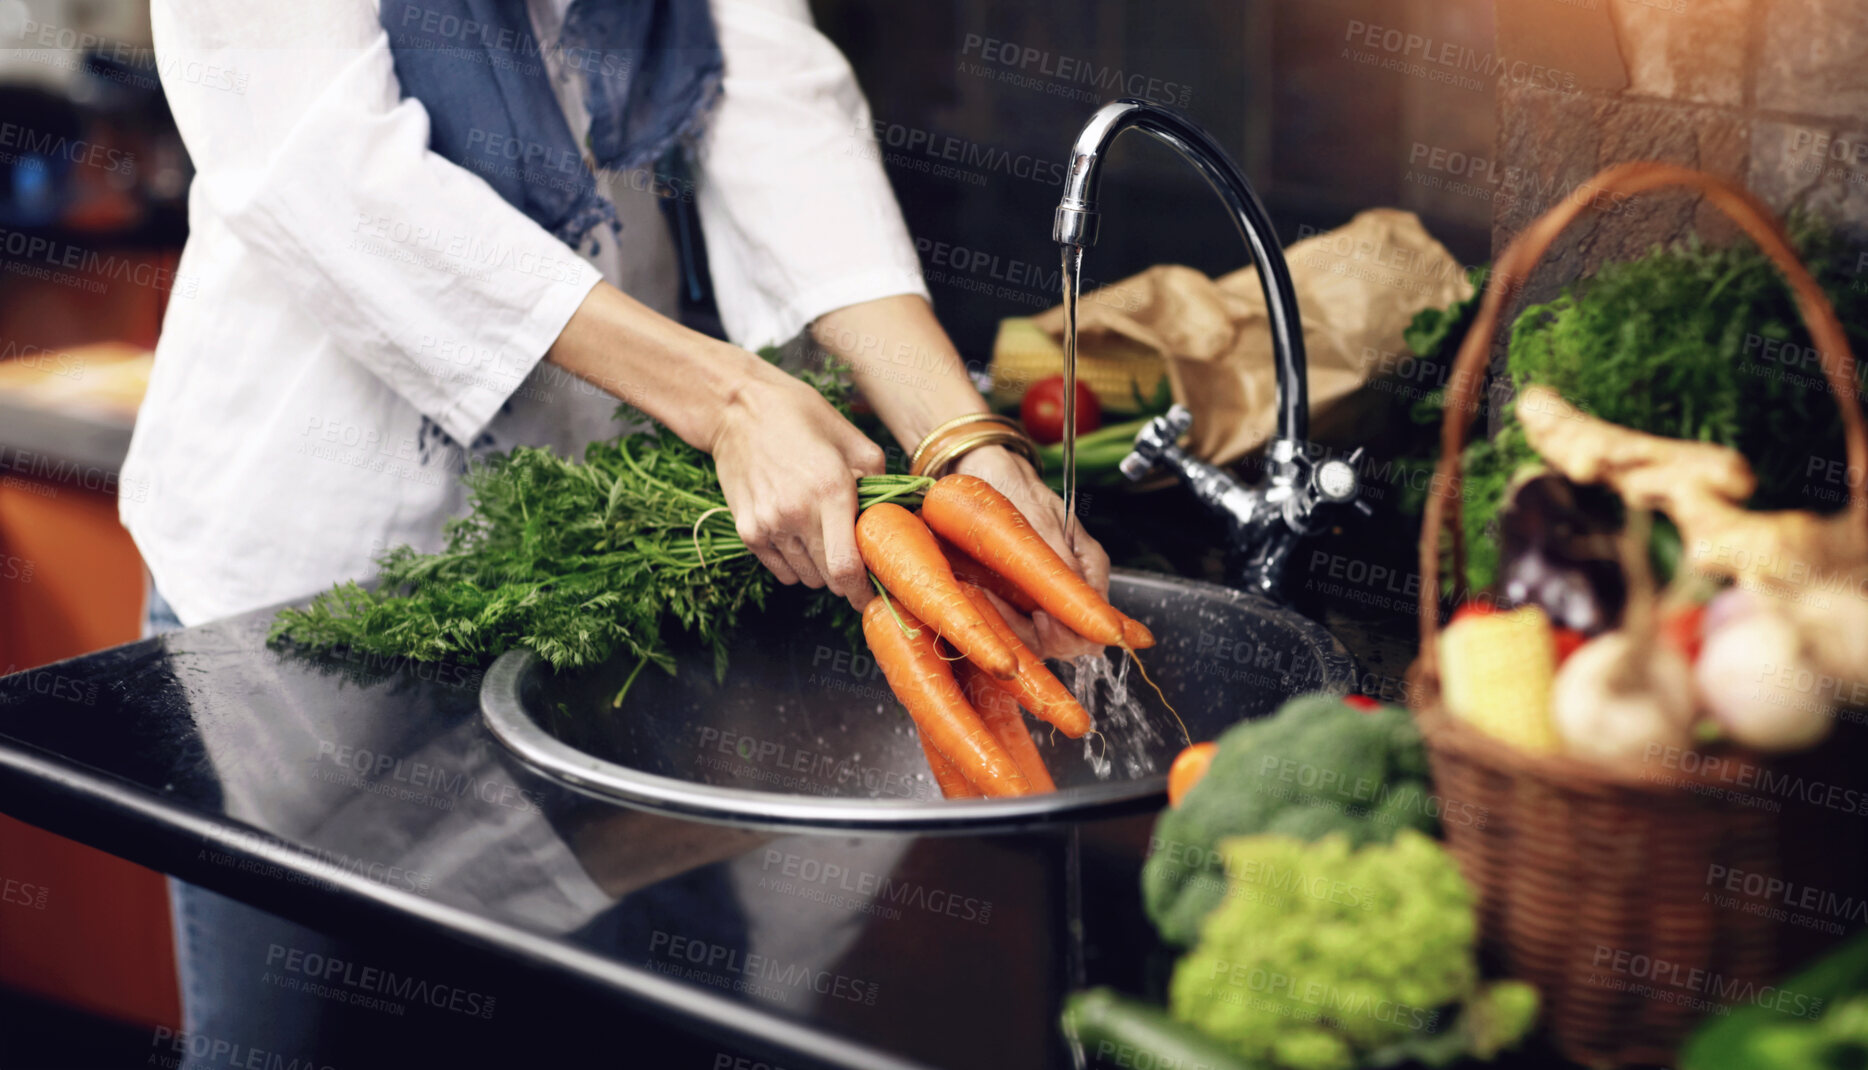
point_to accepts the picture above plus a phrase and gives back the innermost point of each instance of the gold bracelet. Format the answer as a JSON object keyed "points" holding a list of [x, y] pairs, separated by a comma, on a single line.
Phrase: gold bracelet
{"points": [[950, 452], [928, 440], [957, 446]]}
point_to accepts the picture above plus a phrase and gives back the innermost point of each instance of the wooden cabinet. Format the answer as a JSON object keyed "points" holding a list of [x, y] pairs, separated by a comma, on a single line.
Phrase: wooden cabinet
{"points": [[93, 933]]}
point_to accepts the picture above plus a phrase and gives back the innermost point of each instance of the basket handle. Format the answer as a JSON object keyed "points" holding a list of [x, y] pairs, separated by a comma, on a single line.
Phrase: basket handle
{"points": [[1508, 277]]}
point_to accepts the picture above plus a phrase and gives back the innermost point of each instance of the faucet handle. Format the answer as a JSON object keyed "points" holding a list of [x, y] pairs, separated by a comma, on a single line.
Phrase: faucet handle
{"points": [[1135, 467], [1335, 481], [1330, 482], [1159, 435], [1179, 420]]}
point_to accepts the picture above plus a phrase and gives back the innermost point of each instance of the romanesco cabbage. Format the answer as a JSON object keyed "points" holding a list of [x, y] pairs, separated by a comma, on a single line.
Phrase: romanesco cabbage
{"points": [[1322, 956], [1316, 766]]}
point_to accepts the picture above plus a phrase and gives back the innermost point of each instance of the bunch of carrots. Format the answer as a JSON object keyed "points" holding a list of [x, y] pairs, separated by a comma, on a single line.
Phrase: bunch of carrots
{"points": [[948, 654]]}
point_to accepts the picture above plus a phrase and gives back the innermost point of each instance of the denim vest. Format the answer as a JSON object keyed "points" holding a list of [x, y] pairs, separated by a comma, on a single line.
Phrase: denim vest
{"points": [[651, 72]]}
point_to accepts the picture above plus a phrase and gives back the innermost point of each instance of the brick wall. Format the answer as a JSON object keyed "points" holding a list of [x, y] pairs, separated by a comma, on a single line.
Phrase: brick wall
{"points": [[1770, 93]]}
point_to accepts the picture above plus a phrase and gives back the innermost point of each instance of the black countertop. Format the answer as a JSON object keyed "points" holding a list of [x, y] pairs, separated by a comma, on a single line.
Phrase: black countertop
{"points": [[366, 800]]}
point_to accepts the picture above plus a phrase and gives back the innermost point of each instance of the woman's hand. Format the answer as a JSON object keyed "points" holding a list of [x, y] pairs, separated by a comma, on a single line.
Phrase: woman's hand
{"points": [[1014, 478], [909, 370], [788, 464]]}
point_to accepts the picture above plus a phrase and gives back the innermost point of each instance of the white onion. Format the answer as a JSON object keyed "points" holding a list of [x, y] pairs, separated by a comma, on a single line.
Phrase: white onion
{"points": [[1759, 683], [1600, 716], [1727, 606]]}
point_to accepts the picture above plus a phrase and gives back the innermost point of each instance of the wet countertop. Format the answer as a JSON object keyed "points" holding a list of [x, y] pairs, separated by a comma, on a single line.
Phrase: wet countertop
{"points": [[366, 799]]}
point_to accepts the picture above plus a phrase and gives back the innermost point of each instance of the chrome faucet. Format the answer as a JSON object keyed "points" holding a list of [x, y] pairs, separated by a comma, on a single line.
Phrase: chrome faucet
{"points": [[1265, 521]]}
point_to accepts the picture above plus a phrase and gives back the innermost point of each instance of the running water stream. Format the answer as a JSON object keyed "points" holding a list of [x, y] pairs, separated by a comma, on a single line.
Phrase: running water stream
{"points": [[1124, 730], [1073, 266], [1121, 721]]}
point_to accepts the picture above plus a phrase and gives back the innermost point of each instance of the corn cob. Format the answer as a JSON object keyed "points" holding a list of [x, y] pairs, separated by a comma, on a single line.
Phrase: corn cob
{"points": [[1024, 353], [1496, 671]]}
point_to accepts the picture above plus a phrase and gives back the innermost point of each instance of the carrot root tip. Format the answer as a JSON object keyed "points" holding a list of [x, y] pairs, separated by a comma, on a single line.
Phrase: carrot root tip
{"points": [[1186, 738]]}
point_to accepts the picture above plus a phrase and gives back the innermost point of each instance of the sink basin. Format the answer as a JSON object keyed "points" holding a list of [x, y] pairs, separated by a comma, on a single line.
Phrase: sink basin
{"points": [[803, 732]]}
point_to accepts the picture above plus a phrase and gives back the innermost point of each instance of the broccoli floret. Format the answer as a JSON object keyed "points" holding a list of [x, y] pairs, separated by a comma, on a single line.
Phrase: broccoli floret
{"points": [[1499, 1017], [1323, 956], [1315, 767]]}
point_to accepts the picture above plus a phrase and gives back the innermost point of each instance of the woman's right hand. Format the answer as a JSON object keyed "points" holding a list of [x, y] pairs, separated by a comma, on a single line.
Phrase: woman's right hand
{"points": [[788, 464]]}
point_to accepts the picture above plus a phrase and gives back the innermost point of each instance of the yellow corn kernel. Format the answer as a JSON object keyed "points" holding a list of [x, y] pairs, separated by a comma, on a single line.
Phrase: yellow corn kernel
{"points": [[1496, 671]]}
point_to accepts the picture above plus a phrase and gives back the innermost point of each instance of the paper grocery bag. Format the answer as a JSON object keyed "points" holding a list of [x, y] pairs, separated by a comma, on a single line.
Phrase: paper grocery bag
{"points": [[1357, 288]]}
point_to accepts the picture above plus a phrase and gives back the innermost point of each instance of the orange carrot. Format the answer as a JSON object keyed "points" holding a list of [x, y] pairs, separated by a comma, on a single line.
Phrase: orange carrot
{"points": [[999, 709], [921, 679], [1135, 634], [1189, 768], [986, 526], [904, 555], [1034, 686], [967, 570], [953, 783]]}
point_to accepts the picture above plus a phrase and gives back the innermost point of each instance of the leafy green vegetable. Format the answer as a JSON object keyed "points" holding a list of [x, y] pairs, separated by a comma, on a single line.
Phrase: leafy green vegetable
{"points": [[1328, 957], [1160, 402], [1437, 333], [1113, 1030], [1816, 1020], [1099, 455], [1317, 766], [581, 561], [1688, 341]]}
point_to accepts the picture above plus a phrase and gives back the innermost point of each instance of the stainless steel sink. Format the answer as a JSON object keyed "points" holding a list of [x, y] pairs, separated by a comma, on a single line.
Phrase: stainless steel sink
{"points": [[804, 733]]}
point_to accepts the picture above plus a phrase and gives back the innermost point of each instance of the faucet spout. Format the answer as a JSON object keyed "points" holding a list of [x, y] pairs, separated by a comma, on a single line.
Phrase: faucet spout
{"points": [[1075, 224], [1265, 522]]}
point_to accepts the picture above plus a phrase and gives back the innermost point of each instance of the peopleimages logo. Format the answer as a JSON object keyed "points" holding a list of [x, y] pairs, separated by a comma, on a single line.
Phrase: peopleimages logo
{"points": [[23, 140], [64, 48], [1413, 53], [1103, 80], [1768, 892], [1253, 985], [22, 894], [964, 151], [47, 684], [427, 776], [377, 982], [745, 971], [196, 1050], [867, 892], [89, 269], [1676, 982], [808, 765]]}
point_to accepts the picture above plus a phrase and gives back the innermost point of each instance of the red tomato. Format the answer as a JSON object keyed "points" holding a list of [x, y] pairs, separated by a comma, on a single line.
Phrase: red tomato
{"points": [[1475, 608], [1362, 702], [1043, 410], [1684, 629], [1568, 640]]}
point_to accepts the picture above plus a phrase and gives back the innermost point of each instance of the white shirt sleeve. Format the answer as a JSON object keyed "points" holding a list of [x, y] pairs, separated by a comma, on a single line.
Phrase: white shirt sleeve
{"points": [[798, 217], [302, 145]]}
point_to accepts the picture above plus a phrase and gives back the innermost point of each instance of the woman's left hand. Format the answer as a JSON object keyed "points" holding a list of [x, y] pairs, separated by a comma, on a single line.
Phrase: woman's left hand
{"points": [[1013, 477], [909, 370]]}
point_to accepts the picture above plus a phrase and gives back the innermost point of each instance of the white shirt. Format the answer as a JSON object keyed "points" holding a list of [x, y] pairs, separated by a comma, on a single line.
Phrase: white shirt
{"points": [[353, 314]]}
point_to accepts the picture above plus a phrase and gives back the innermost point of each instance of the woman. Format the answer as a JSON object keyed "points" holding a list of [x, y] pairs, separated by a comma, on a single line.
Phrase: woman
{"points": [[417, 234]]}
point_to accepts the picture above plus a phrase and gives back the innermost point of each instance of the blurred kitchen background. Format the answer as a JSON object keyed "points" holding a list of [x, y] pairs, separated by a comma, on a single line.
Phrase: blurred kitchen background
{"points": [[93, 188], [1474, 114], [996, 92], [976, 103]]}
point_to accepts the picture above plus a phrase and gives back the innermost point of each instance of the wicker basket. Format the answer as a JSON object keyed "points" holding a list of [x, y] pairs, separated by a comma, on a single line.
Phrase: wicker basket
{"points": [[1599, 884]]}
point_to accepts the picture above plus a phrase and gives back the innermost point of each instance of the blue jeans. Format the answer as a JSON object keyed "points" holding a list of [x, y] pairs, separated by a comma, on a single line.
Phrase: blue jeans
{"points": [[222, 949], [229, 957]]}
